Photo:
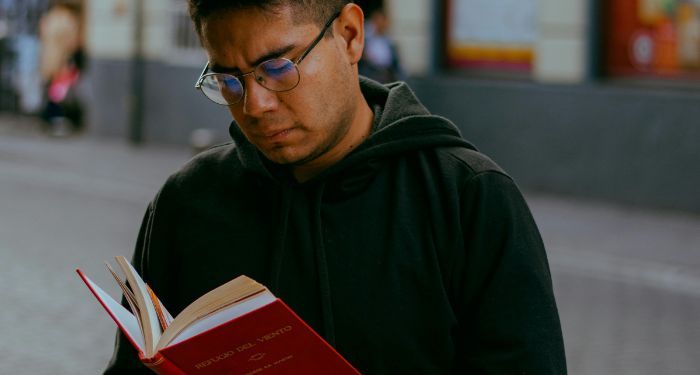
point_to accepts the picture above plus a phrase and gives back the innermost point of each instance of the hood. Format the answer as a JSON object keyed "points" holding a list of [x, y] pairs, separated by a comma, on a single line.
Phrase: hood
{"points": [[401, 124]]}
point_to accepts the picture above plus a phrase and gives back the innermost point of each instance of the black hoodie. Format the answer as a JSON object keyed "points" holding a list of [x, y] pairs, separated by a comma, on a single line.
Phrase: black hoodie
{"points": [[414, 254]]}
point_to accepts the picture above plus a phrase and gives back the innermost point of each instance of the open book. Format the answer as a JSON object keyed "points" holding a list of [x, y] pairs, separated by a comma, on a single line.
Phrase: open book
{"points": [[239, 327]]}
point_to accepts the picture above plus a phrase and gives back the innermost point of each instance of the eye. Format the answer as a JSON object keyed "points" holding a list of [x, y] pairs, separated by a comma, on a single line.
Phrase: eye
{"points": [[229, 83], [276, 68]]}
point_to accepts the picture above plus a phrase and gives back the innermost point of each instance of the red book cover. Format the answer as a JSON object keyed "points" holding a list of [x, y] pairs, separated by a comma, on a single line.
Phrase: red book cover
{"points": [[269, 340]]}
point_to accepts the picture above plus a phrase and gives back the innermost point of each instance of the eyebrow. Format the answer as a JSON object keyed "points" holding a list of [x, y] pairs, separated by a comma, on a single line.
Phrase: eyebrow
{"points": [[279, 52]]}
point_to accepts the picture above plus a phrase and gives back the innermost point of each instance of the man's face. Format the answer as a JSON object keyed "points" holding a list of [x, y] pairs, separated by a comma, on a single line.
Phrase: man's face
{"points": [[292, 127]]}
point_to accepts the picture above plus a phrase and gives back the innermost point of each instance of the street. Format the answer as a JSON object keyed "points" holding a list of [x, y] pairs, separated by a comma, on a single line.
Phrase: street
{"points": [[627, 280]]}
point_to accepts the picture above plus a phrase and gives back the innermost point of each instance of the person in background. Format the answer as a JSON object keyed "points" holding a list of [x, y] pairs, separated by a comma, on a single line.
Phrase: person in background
{"points": [[62, 61], [405, 248], [380, 60], [25, 16]]}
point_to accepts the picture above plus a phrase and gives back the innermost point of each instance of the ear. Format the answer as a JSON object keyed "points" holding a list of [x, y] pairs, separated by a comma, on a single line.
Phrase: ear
{"points": [[351, 27]]}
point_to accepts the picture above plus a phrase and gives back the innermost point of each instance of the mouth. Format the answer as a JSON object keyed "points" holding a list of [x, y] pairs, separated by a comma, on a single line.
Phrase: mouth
{"points": [[276, 135]]}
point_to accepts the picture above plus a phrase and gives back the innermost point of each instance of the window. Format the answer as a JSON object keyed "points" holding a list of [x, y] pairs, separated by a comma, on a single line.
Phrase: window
{"points": [[652, 38], [186, 49], [490, 35]]}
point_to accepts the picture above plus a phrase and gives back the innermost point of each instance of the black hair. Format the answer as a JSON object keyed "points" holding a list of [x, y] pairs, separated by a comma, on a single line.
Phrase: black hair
{"points": [[316, 11]]}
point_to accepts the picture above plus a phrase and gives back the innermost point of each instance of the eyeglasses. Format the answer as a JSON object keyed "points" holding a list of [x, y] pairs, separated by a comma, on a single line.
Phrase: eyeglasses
{"points": [[279, 74]]}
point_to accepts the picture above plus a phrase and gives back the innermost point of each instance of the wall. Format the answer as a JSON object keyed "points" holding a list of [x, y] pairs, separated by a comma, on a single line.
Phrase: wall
{"points": [[625, 144], [173, 108], [411, 28], [562, 49], [110, 24]]}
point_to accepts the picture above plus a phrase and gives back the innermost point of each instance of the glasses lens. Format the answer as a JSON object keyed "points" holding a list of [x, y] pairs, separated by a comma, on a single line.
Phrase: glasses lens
{"points": [[277, 74], [223, 89]]}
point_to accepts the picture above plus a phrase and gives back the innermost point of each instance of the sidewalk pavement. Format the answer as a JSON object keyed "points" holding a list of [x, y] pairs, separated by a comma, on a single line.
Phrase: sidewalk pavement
{"points": [[627, 280], [627, 286]]}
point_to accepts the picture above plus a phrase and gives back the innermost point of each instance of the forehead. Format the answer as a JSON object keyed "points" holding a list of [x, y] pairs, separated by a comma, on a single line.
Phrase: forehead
{"points": [[236, 38]]}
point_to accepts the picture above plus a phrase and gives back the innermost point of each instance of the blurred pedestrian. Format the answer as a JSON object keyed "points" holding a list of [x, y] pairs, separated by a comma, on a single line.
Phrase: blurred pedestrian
{"points": [[25, 16], [62, 61], [380, 60], [375, 221]]}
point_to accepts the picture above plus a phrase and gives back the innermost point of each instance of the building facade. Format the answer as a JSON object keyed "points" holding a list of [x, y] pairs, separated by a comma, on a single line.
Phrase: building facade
{"points": [[588, 97]]}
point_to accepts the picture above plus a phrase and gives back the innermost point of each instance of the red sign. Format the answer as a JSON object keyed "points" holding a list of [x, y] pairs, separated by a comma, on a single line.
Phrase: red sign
{"points": [[652, 38]]}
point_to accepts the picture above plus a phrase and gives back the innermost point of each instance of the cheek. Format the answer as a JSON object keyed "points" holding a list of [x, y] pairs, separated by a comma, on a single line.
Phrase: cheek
{"points": [[241, 121], [323, 88], [236, 112], [321, 73]]}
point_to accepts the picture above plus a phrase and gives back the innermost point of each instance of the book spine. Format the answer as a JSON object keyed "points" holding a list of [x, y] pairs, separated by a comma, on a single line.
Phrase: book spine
{"points": [[161, 365]]}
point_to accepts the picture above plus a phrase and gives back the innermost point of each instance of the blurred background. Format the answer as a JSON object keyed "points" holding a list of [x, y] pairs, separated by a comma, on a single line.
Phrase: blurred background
{"points": [[592, 106]]}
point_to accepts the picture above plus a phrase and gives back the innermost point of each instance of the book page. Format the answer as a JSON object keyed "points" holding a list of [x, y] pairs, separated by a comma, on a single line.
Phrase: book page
{"points": [[236, 291], [126, 321], [220, 317], [148, 315]]}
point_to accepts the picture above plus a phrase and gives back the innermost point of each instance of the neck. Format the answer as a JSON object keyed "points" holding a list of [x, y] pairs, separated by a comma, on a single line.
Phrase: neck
{"points": [[358, 131]]}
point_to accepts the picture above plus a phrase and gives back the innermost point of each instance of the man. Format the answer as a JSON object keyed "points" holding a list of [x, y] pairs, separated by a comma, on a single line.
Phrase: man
{"points": [[380, 60], [405, 248]]}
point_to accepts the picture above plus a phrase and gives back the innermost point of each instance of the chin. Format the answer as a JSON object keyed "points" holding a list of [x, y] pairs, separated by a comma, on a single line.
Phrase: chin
{"points": [[282, 158]]}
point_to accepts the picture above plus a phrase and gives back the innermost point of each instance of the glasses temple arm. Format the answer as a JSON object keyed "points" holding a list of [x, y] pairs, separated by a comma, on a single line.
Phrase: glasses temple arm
{"points": [[198, 84], [318, 38]]}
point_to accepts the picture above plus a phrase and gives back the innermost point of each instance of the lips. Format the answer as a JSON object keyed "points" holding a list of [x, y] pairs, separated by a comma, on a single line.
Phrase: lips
{"points": [[270, 130], [276, 134]]}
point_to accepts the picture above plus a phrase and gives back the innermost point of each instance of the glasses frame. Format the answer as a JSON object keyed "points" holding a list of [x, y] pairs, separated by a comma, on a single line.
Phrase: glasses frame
{"points": [[239, 77]]}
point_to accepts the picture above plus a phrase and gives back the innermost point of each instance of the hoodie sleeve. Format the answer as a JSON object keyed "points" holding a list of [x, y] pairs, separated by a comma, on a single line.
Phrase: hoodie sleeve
{"points": [[502, 290]]}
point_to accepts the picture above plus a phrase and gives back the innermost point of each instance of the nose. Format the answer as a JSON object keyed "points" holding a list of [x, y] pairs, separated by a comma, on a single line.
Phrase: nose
{"points": [[257, 100]]}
